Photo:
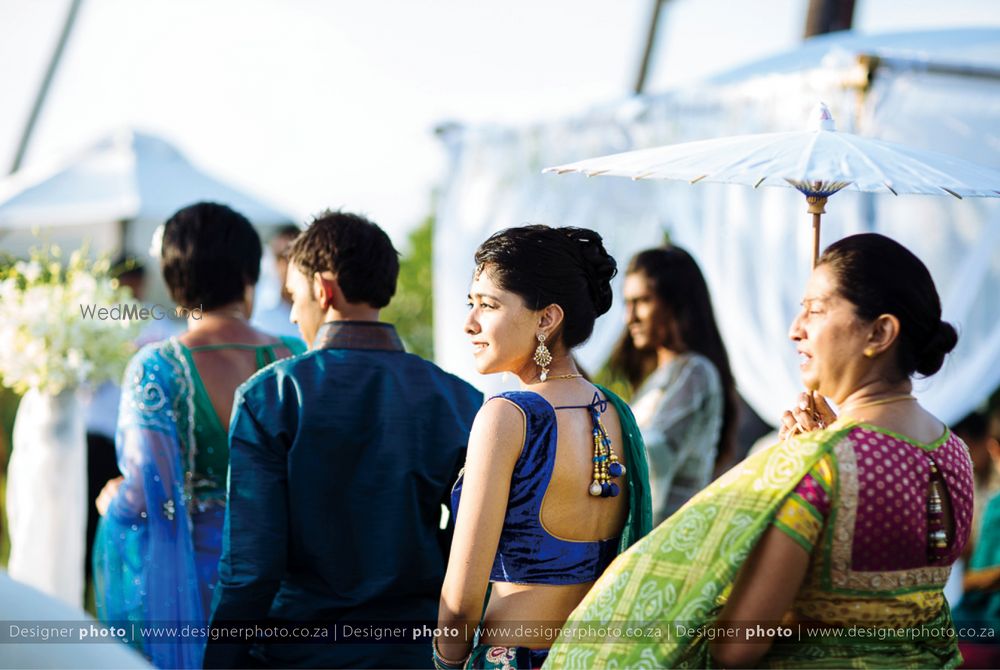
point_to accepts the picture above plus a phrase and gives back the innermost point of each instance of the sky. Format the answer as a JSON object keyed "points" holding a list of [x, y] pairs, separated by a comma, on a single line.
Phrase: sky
{"points": [[312, 104]]}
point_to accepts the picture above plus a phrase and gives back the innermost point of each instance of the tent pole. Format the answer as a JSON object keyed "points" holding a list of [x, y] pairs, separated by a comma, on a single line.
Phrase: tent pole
{"points": [[647, 52], [827, 16], [43, 90]]}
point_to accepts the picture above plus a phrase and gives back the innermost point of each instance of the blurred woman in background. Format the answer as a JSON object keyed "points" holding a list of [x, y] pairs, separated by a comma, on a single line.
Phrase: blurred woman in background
{"points": [[672, 354], [977, 614]]}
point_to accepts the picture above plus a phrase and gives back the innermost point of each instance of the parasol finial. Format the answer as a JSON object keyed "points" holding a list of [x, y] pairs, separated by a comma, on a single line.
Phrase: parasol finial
{"points": [[821, 118]]}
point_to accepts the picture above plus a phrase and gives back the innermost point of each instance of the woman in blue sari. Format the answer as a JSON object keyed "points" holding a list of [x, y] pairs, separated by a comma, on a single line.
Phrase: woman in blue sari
{"points": [[159, 539]]}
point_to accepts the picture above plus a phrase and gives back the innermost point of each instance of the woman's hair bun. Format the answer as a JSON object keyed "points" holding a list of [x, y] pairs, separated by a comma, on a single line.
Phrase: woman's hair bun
{"points": [[568, 267], [878, 275], [931, 356], [598, 266]]}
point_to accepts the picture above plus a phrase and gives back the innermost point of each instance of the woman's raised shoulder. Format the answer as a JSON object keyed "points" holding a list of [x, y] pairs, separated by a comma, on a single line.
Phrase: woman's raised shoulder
{"points": [[151, 359], [503, 410], [154, 378], [499, 427]]}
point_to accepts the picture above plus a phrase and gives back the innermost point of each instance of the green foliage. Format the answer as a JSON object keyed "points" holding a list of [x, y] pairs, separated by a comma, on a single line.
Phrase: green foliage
{"points": [[4, 537], [412, 308], [8, 407], [614, 383]]}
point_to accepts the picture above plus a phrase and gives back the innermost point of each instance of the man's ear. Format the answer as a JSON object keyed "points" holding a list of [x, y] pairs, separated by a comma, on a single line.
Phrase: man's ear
{"points": [[326, 290], [884, 332], [550, 320]]}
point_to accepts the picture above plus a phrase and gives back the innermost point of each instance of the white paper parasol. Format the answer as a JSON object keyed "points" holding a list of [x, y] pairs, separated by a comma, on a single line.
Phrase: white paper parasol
{"points": [[818, 162]]}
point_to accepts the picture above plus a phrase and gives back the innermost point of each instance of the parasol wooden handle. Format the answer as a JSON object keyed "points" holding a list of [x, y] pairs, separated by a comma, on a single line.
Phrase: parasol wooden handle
{"points": [[816, 209]]}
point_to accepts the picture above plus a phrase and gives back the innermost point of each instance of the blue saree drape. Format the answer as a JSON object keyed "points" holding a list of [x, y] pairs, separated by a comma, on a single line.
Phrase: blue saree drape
{"points": [[155, 556]]}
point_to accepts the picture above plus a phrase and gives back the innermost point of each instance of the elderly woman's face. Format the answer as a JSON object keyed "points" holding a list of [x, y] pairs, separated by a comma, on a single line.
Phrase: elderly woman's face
{"points": [[500, 327], [830, 338]]}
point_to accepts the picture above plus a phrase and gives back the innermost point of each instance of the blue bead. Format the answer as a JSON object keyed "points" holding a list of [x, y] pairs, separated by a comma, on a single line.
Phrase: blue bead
{"points": [[613, 490], [615, 470], [605, 490]]}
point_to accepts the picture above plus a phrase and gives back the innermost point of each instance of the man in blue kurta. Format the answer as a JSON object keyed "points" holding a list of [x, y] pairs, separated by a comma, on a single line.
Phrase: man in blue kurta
{"points": [[340, 460]]}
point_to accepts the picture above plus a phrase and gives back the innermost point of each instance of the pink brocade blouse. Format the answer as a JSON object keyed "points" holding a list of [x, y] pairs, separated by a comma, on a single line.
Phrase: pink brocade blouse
{"points": [[862, 514]]}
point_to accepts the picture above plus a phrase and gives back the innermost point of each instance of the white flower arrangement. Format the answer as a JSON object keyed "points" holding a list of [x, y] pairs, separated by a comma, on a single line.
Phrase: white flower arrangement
{"points": [[46, 343]]}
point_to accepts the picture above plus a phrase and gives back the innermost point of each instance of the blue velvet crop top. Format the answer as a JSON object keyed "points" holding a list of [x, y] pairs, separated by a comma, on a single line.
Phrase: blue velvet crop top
{"points": [[527, 553]]}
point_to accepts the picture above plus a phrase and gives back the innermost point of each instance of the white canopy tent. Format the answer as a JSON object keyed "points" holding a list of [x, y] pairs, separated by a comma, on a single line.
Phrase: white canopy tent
{"points": [[935, 90], [129, 175], [114, 194]]}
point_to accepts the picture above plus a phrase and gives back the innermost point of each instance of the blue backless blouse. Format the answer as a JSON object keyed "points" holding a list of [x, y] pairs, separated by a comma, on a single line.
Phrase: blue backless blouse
{"points": [[527, 553]]}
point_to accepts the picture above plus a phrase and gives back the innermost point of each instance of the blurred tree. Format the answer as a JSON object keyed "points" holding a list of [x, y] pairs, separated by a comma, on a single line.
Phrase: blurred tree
{"points": [[412, 308], [8, 408]]}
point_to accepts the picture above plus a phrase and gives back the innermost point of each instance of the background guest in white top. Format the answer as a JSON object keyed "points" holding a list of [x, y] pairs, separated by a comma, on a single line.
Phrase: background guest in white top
{"points": [[672, 355]]}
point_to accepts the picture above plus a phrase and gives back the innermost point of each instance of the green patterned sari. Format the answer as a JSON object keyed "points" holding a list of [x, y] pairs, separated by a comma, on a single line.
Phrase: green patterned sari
{"points": [[652, 606]]}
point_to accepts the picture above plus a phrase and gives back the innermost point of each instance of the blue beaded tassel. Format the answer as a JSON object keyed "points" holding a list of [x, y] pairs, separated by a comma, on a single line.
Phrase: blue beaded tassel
{"points": [[606, 465]]}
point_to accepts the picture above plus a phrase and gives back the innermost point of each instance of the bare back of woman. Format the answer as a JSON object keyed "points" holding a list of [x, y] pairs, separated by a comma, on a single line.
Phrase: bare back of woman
{"points": [[569, 513], [225, 353]]}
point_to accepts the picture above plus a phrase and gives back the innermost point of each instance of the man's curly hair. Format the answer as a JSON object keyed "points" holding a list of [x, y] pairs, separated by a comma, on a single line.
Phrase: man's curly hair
{"points": [[355, 250]]}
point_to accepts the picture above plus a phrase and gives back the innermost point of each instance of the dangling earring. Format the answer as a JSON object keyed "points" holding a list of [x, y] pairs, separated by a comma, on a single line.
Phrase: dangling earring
{"points": [[542, 356]]}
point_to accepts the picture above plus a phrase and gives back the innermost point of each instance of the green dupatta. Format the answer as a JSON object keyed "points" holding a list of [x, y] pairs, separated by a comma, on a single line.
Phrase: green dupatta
{"points": [[640, 500], [646, 609]]}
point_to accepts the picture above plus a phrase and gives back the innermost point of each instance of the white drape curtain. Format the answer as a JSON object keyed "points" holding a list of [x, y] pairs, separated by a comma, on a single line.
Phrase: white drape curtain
{"points": [[753, 245]]}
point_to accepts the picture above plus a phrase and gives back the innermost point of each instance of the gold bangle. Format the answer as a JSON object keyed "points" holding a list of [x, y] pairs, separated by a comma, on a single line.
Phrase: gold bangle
{"points": [[442, 663]]}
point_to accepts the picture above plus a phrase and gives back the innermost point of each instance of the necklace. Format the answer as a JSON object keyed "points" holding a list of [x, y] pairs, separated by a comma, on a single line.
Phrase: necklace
{"points": [[883, 401], [574, 375]]}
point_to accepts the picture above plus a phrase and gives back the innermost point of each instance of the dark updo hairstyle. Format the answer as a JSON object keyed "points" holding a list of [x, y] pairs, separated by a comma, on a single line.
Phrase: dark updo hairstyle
{"points": [[210, 254], [680, 286], [881, 276], [567, 266]]}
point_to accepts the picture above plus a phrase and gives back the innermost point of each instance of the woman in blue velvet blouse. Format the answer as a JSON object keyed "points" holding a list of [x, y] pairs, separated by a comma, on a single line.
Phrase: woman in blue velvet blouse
{"points": [[555, 483]]}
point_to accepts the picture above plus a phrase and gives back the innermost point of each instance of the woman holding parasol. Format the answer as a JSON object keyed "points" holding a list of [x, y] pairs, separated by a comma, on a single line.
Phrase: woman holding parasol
{"points": [[851, 523]]}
